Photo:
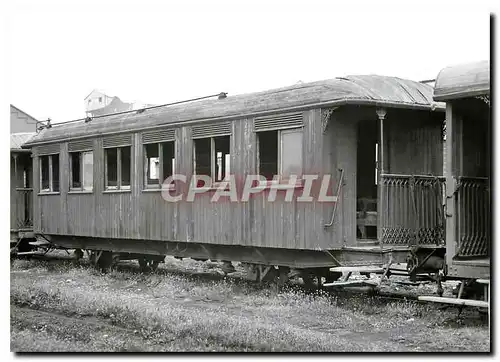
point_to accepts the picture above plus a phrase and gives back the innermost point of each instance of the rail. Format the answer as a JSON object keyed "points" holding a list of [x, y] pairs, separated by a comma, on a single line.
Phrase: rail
{"points": [[339, 187], [474, 223], [24, 208], [412, 211]]}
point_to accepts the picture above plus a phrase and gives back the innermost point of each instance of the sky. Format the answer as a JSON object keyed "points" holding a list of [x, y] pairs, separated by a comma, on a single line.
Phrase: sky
{"points": [[161, 52]]}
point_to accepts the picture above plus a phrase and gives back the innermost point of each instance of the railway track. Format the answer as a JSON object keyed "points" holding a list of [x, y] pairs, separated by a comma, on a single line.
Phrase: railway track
{"points": [[383, 294]]}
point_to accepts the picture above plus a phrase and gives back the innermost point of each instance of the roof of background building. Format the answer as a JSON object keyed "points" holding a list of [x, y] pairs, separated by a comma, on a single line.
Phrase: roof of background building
{"points": [[18, 139]]}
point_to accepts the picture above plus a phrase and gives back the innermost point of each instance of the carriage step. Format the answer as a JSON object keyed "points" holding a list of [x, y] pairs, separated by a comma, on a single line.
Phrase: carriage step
{"points": [[29, 253], [468, 302], [40, 243], [483, 281], [361, 269], [352, 283]]}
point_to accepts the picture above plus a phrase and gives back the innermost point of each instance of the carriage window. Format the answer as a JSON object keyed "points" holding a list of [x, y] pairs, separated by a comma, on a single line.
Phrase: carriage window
{"points": [[268, 154], [280, 153], [152, 166], [45, 171], [88, 170], [75, 166], [202, 159], [222, 158], [118, 166], [291, 153], [156, 168], [49, 170], [168, 159], [125, 159], [111, 167], [81, 166], [212, 157], [55, 173]]}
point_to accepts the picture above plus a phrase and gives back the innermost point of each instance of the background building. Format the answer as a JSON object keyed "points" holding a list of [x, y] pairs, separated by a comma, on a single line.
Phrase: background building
{"points": [[98, 103], [21, 122]]}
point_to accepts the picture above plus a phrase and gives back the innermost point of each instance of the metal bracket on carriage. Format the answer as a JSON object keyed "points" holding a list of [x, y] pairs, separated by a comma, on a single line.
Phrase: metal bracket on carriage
{"points": [[327, 113]]}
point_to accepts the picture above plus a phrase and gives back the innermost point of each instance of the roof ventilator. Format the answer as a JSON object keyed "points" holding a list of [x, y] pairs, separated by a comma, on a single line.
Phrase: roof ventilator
{"points": [[222, 95]]}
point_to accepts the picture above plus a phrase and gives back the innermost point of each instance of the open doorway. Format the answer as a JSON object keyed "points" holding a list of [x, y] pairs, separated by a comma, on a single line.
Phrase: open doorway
{"points": [[367, 179]]}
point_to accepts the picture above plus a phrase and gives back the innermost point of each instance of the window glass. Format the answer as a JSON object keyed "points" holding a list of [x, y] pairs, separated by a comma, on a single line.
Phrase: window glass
{"points": [[44, 165], [291, 153], [112, 167], [125, 165], [268, 154], [88, 170], [168, 159], [75, 170], [222, 147], [202, 156], [152, 166], [55, 173]]}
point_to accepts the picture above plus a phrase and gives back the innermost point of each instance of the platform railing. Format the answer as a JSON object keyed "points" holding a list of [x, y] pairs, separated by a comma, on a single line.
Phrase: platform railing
{"points": [[412, 210], [474, 219], [24, 208]]}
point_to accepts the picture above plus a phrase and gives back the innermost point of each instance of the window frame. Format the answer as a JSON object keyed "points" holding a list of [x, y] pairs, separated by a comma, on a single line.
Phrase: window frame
{"points": [[145, 184], [213, 160], [49, 190], [119, 186], [80, 155], [279, 133]]}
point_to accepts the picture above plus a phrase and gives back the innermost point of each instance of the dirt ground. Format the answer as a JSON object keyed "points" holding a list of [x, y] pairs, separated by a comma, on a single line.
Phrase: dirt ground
{"points": [[59, 305]]}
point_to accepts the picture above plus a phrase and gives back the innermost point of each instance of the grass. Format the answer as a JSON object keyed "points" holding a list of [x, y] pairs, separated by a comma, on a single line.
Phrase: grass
{"points": [[181, 312]]}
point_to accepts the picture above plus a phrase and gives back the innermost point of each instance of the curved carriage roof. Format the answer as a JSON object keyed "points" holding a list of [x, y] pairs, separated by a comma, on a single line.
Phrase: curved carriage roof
{"points": [[19, 139], [465, 80], [362, 90]]}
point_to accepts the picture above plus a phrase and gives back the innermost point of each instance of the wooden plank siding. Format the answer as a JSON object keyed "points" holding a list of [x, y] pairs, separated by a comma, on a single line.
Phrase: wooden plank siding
{"points": [[345, 148], [414, 143]]}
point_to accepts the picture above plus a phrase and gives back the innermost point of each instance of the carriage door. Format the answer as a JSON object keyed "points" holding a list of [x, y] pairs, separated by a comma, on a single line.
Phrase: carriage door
{"points": [[366, 181]]}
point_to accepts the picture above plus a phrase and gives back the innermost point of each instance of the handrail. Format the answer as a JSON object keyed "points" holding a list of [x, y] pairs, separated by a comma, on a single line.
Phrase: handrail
{"points": [[409, 176], [337, 202], [411, 210]]}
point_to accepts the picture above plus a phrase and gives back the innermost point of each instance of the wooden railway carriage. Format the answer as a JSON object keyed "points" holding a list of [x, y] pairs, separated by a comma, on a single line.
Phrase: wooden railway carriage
{"points": [[466, 91], [380, 138], [21, 210]]}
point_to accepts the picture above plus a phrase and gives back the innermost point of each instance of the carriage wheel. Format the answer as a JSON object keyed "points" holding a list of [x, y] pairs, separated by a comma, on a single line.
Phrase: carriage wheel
{"points": [[78, 254], [252, 272], [153, 264], [308, 281], [105, 261], [148, 264], [143, 263], [282, 277]]}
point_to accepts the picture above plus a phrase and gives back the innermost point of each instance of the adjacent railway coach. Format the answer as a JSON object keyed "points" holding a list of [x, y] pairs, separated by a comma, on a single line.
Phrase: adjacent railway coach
{"points": [[466, 90], [21, 198]]}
